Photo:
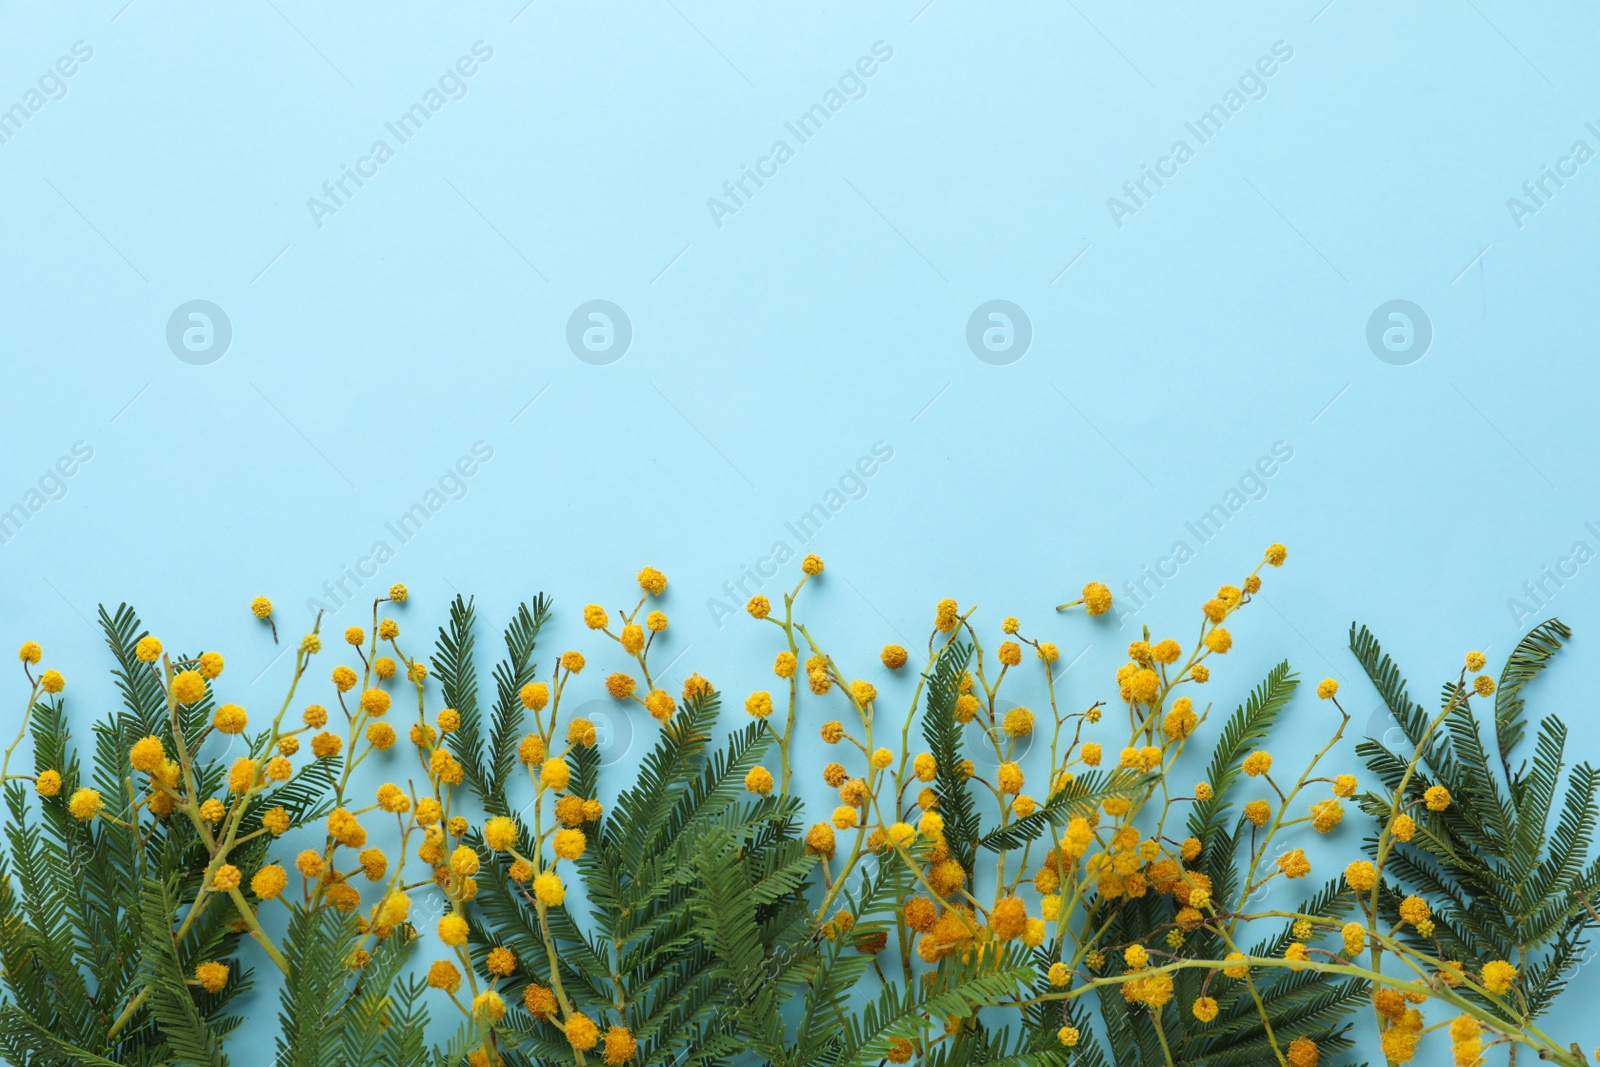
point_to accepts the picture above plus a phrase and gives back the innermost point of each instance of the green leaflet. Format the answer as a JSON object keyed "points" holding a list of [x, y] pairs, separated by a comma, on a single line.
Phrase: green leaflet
{"points": [[1502, 883]]}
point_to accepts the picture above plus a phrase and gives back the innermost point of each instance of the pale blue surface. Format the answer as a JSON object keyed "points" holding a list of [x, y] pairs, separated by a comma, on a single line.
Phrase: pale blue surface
{"points": [[825, 315]]}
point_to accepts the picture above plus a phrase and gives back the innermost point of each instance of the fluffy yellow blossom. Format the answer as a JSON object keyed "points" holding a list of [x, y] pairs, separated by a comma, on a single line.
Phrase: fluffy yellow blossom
{"points": [[1361, 875], [1205, 1009], [1327, 688], [555, 774], [1258, 812], [500, 962], [85, 804], [343, 828], [820, 840], [582, 1033], [1403, 827], [1344, 785], [1476, 661], [620, 1046], [549, 889], [269, 882], [1483, 685], [212, 976], [30, 652], [632, 636], [488, 1006], [539, 1000], [569, 844], [1466, 1041], [534, 696], [188, 687], [759, 607], [652, 581], [1326, 814], [759, 704], [1096, 598], [1498, 976], [660, 705], [582, 732], [758, 781], [500, 833], [1068, 1035], [1437, 798], [442, 974], [1018, 722], [1355, 939], [1302, 1052], [381, 736], [595, 618], [453, 930], [230, 719], [1181, 721], [1257, 763], [147, 754]]}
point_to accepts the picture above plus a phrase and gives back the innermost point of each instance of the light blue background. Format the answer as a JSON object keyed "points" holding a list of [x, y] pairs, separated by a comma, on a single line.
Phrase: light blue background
{"points": [[827, 314]]}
